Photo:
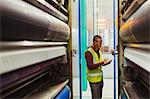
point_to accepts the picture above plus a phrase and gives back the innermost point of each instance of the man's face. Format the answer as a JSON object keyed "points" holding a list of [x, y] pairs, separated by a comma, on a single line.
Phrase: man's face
{"points": [[97, 43]]}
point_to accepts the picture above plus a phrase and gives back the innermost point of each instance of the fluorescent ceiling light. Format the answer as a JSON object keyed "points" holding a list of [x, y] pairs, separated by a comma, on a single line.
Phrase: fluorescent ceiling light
{"points": [[101, 20], [101, 27], [101, 24]]}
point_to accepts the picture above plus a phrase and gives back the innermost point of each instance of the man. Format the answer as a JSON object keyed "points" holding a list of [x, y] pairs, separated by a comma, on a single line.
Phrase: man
{"points": [[94, 67]]}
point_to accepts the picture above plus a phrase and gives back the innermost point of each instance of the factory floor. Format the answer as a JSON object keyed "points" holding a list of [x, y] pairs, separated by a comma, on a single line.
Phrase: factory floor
{"points": [[108, 90]]}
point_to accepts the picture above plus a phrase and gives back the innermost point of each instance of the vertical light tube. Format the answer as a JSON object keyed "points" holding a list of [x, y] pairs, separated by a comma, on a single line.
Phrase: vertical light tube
{"points": [[82, 42], [95, 17]]}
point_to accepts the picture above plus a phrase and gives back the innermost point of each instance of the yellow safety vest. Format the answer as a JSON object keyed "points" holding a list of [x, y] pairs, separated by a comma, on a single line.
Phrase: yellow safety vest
{"points": [[95, 75]]}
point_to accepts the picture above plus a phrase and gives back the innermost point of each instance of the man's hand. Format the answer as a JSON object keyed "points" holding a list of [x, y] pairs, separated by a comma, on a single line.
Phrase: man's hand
{"points": [[105, 60]]}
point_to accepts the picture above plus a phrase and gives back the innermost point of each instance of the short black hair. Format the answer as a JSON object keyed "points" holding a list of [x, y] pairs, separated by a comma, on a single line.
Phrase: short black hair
{"points": [[96, 36]]}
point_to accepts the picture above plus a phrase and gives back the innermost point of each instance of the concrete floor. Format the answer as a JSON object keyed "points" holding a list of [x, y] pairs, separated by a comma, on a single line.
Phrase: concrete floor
{"points": [[108, 90]]}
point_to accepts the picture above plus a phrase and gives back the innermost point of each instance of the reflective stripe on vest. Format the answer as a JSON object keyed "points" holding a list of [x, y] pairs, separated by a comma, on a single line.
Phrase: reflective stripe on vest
{"points": [[95, 75]]}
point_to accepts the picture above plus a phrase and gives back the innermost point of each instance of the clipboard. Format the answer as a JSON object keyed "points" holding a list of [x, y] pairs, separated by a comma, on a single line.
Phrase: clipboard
{"points": [[108, 62]]}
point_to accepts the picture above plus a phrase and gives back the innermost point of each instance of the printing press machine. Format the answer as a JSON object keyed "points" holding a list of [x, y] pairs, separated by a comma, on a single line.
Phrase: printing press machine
{"points": [[34, 48], [134, 49]]}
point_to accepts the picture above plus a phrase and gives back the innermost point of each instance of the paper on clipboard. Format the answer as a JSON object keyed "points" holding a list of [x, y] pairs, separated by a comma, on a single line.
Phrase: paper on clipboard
{"points": [[108, 62]]}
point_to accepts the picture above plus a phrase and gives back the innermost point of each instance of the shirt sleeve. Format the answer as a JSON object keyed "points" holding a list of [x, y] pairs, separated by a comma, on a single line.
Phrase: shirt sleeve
{"points": [[89, 61]]}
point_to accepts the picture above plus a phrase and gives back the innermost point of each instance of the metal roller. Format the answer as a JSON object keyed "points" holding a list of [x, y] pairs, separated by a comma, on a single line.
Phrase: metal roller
{"points": [[136, 28], [22, 21], [57, 30]]}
